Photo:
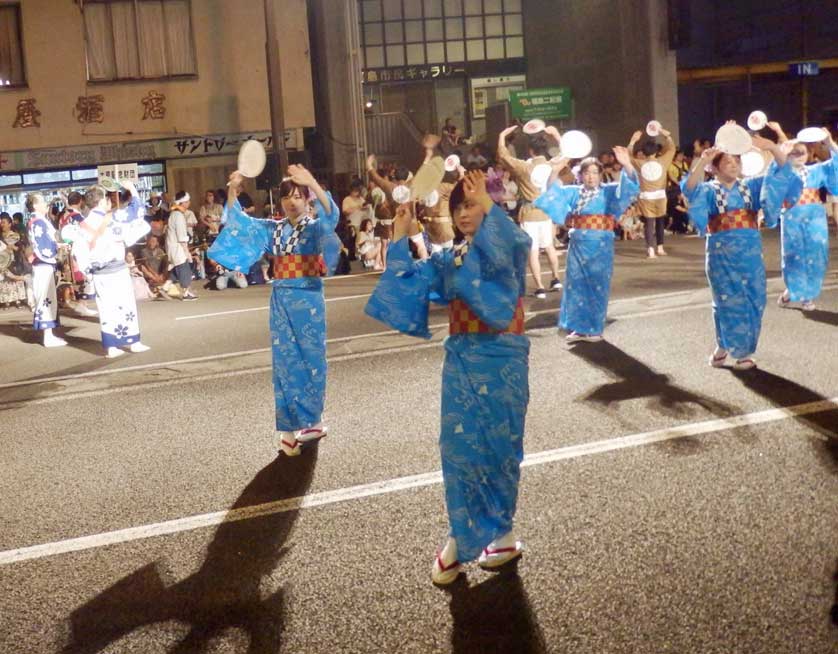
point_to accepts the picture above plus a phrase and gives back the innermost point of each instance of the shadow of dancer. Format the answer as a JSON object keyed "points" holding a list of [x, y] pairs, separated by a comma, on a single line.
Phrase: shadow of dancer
{"points": [[634, 379], [783, 392], [224, 593], [819, 315], [494, 616]]}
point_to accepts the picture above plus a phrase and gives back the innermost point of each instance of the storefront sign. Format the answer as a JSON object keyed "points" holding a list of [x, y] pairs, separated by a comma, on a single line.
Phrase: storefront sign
{"points": [[119, 172], [411, 73], [552, 103], [166, 149]]}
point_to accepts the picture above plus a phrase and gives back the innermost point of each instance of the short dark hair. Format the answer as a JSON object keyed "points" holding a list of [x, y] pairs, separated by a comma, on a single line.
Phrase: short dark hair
{"points": [[401, 174], [93, 195], [288, 186], [5, 216], [588, 162], [648, 147], [718, 158], [457, 197], [539, 143], [356, 184], [180, 195], [74, 198], [245, 200], [364, 223]]}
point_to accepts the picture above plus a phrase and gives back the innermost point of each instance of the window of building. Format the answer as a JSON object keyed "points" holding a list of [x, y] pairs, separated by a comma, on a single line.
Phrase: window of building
{"points": [[12, 72], [138, 39], [419, 32]]}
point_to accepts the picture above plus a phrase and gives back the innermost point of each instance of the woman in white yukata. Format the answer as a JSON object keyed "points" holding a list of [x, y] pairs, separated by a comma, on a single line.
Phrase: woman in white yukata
{"points": [[43, 238]]}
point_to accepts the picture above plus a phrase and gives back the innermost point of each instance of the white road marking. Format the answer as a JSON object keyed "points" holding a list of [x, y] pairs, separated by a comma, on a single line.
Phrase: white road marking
{"points": [[251, 309], [234, 311], [399, 484], [343, 339]]}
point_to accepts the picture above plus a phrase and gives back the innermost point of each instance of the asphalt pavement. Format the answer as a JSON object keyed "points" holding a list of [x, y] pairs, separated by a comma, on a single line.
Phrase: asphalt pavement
{"points": [[665, 506]]}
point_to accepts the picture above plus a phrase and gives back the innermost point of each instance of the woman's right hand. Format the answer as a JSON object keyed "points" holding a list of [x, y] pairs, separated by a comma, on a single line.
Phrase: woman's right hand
{"points": [[236, 179]]}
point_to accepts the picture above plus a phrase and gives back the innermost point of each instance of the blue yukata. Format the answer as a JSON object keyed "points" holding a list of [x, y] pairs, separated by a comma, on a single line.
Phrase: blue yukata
{"points": [[734, 262], [297, 308], [804, 229], [590, 254], [485, 387], [42, 236]]}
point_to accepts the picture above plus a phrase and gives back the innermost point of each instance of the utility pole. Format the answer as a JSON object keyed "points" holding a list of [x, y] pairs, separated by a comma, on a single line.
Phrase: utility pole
{"points": [[275, 89]]}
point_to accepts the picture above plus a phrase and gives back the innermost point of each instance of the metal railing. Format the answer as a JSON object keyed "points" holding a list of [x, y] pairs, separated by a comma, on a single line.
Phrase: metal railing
{"points": [[393, 137]]}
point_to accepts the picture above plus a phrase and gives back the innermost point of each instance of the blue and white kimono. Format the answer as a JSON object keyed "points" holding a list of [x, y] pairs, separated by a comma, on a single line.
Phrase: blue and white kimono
{"points": [[298, 309], [485, 389], [804, 230], [590, 254], [43, 237], [734, 262]]}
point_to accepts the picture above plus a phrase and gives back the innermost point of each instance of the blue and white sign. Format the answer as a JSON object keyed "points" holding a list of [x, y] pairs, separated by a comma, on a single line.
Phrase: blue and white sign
{"points": [[804, 69]]}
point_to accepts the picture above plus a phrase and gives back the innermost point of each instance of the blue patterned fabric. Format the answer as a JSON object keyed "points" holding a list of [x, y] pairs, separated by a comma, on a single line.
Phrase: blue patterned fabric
{"points": [[734, 264], [485, 388], [805, 233], [590, 253], [42, 236], [298, 311], [244, 240], [298, 346]]}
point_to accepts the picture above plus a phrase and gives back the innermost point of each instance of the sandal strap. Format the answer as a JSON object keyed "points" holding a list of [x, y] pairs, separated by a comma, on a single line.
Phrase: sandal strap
{"points": [[500, 550], [441, 564], [294, 444]]}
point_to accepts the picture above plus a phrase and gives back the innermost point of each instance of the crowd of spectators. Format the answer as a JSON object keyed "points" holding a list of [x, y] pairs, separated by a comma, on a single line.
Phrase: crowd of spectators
{"points": [[363, 226]]}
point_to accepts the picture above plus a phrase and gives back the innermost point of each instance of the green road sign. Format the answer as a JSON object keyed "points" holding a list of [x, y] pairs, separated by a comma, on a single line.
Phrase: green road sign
{"points": [[551, 103]]}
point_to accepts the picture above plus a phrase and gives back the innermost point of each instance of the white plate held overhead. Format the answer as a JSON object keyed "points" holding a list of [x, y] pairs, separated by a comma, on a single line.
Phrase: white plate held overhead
{"points": [[753, 163], [252, 158], [812, 135], [757, 120], [452, 163], [576, 144], [540, 175], [653, 128], [733, 139], [534, 126]]}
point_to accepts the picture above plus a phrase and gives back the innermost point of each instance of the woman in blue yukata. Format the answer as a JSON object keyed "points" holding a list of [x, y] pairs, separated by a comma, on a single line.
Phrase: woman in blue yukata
{"points": [[726, 208], [591, 211], [44, 240], [485, 388], [305, 248], [804, 229]]}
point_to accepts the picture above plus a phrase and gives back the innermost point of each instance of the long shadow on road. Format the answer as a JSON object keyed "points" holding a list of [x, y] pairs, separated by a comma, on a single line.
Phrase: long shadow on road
{"points": [[224, 593], [783, 392], [633, 379], [494, 616]]}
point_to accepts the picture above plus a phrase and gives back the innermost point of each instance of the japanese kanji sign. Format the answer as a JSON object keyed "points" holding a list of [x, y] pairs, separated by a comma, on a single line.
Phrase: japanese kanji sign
{"points": [[552, 103], [90, 109], [27, 114], [153, 106]]}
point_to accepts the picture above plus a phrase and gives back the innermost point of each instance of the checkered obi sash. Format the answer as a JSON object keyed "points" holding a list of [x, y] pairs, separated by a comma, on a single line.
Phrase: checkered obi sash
{"points": [[601, 222], [736, 219], [293, 266], [808, 196], [462, 320]]}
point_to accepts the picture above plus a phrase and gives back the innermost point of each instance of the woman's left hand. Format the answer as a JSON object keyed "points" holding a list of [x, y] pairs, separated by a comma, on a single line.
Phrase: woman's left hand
{"points": [[474, 185], [300, 175]]}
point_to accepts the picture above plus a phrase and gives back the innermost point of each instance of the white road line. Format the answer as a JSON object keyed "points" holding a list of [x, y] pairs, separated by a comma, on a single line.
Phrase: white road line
{"points": [[234, 311], [343, 339], [332, 299], [399, 484]]}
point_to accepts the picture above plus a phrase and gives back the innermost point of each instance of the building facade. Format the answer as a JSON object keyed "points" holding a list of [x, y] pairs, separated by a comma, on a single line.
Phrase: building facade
{"points": [[173, 86]]}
